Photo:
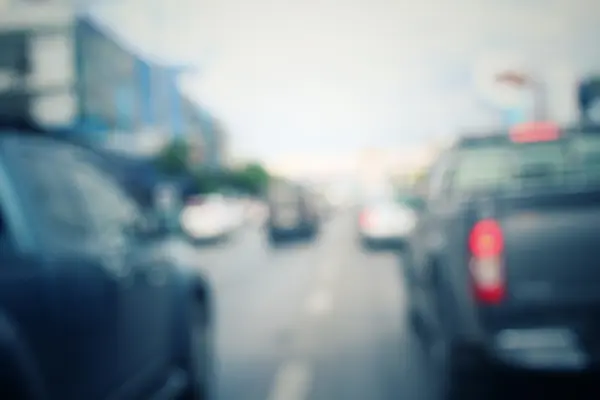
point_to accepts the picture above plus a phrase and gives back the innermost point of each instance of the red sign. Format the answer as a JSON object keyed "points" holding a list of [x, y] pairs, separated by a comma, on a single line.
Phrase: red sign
{"points": [[534, 132]]}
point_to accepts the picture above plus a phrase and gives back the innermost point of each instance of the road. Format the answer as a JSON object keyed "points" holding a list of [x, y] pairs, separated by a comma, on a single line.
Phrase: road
{"points": [[321, 321]]}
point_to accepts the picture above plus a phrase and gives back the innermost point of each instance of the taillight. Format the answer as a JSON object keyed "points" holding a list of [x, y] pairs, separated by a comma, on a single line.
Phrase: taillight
{"points": [[486, 245]]}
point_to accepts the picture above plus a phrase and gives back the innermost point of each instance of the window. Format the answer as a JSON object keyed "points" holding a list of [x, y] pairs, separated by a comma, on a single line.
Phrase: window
{"points": [[481, 167], [108, 205], [4, 234], [438, 178], [50, 188], [511, 166]]}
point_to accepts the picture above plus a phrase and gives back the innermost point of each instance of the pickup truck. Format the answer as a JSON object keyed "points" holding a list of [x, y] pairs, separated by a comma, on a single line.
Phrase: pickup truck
{"points": [[502, 268]]}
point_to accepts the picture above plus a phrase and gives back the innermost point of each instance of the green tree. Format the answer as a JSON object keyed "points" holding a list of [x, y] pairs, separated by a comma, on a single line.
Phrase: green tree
{"points": [[252, 179], [173, 158], [208, 181]]}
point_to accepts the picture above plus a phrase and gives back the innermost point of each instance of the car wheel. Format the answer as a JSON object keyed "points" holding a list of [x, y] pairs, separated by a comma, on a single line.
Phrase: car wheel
{"points": [[461, 374], [199, 365]]}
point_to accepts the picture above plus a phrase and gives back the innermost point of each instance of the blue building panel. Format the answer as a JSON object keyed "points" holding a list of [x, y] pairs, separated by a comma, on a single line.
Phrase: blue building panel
{"points": [[175, 106], [211, 143], [119, 90], [105, 81], [145, 93]]}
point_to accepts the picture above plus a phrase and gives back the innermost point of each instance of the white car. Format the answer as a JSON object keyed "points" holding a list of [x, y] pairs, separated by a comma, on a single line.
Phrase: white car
{"points": [[385, 223], [211, 218]]}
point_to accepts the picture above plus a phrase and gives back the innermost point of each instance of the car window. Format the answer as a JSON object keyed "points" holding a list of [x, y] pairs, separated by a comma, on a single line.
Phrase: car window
{"points": [[108, 204], [49, 183], [559, 163], [408, 200], [4, 234], [480, 167], [438, 178]]}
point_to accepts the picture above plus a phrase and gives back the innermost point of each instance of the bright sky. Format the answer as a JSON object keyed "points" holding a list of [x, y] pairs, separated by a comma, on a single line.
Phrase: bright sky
{"points": [[335, 75]]}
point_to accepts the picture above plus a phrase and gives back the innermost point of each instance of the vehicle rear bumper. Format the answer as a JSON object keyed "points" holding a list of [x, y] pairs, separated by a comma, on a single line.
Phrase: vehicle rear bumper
{"points": [[291, 231], [391, 241], [563, 340], [210, 235]]}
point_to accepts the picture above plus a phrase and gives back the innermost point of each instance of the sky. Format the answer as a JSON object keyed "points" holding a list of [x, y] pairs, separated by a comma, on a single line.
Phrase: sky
{"points": [[332, 75]]}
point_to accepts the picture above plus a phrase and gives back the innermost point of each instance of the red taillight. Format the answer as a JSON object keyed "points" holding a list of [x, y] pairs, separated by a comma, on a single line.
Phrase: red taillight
{"points": [[487, 271]]}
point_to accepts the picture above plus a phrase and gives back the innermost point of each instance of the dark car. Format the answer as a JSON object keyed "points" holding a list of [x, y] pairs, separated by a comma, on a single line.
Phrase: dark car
{"points": [[90, 307], [503, 264], [293, 212]]}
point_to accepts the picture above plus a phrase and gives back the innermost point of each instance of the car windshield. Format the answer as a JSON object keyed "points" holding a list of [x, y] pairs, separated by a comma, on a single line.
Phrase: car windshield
{"points": [[564, 162], [408, 200]]}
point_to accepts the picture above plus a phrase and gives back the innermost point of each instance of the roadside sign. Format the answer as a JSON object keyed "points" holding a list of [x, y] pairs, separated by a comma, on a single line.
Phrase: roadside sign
{"points": [[488, 73]]}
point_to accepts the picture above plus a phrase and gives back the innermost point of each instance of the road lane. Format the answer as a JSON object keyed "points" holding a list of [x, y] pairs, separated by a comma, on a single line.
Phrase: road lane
{"points": [[361, 349], [325, 321], [259, 304]]}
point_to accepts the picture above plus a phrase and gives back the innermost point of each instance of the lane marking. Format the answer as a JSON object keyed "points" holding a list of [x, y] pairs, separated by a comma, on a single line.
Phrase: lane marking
{"points": [[292, 382], [320, 302]]}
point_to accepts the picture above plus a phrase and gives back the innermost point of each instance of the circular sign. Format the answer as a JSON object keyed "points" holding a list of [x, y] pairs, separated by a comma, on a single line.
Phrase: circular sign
{"points": [[499, 79]]}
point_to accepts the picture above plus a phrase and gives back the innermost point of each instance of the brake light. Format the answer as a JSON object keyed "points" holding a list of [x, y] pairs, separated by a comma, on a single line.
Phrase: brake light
{"points": [[486, 245], [532, 132]]}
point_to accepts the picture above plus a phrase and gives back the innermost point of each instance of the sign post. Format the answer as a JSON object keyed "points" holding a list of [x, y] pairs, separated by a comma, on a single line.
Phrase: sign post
{"points": [[501, 81]]}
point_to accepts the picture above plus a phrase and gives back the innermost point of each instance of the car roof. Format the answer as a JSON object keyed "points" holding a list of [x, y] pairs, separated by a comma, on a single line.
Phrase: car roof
{"points": [[500, 137]]}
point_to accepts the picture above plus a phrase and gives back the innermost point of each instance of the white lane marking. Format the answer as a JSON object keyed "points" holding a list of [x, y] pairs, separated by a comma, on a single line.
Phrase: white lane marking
{"points": [[320, 302], [292, 382]]}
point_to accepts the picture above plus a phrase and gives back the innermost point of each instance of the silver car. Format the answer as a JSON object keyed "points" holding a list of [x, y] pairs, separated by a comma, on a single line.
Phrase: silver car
{"points": [[385, 223]]}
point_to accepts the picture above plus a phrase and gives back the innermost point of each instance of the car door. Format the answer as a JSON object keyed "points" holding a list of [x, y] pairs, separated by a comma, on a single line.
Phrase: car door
{"points": [[423, 233], [144, 324], [78, 348], [426, 239]]}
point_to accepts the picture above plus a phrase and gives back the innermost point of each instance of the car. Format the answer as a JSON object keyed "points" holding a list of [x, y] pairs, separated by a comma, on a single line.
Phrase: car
{"points": [[386, 222], [210, 219], [292, 212], [500, 270], [90, 307]]}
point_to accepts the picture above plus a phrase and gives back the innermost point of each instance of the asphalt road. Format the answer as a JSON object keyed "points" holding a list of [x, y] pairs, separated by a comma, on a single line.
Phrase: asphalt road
{"points": [[324, 321]]}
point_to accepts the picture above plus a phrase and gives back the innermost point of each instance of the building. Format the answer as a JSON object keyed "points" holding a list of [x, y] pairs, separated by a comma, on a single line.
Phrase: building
{"points": [[194, 132], [69, 71], [37, 77], [126, 100], [219, 154]]}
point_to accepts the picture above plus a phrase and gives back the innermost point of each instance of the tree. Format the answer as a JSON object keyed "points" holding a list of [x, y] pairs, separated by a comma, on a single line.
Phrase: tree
{"points": [[208, 181], [173, 158], [251, 179]]}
